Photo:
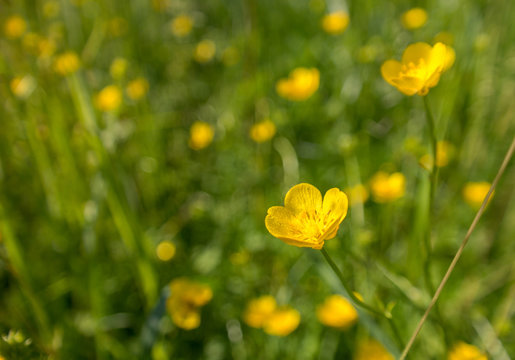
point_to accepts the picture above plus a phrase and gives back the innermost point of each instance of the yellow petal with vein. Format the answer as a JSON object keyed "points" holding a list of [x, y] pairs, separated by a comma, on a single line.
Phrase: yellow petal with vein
{"points": [[303, 197]]}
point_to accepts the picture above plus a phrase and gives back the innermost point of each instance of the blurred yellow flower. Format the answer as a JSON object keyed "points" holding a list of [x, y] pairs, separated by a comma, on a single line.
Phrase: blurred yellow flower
{"points": [[336, 22], [464, 351], [137, 88], [51, 9], [185, 301], [201, 135], [67, 63], [262, 131], [357, 194], [282, 321], [419, 69], [118, 68], [371, 350], [474, 193], [109, 98], [386, 188], [336, 311], [259, 310], [444, 153], [204, 51], [306, 220], [14, 26], [300, 85], [22, 87], [181, 25], [414, 18], [165, 250]]}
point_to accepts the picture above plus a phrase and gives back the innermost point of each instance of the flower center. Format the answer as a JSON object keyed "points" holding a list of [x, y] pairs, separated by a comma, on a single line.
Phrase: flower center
{"points": [[411, 70]]}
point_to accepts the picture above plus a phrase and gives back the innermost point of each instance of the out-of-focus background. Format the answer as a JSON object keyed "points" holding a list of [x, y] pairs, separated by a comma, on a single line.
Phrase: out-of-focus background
{"points": [[142, 142]]}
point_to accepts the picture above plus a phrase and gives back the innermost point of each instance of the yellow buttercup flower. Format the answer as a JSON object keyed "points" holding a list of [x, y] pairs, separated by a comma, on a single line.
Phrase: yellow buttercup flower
{"points": [[414, 18], [109, 98], [386, 188], [201, 135], [262, 131], [67, 63], [165, 251], [464, 351], [137, 88], [371, 350], [181, 25], [204, 51], [419, 69], [258, 311], [474, 193], [185, 301], [336, 22], [282, 321], [14, 27], [300, 85], [337, 312], [358, 194], [306, 220]]}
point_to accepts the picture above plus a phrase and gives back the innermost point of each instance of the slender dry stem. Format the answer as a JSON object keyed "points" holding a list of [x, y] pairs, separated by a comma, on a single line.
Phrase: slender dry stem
{"points": [[505, 162]]}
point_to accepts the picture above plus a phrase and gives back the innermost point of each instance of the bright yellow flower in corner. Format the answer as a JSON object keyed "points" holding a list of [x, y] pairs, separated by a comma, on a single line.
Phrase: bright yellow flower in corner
{"points": [[282, 321], [336, 22], [165, 251], [300, 85], [336, 311], [201, 135], [137, 88], [386, 188], [67, 63], [14, 27], [420, 68], [307, 220], [258, 311], [185, 301], [414, 18], [204, 51], [181, 25], [371, 350], [262, 131], [464, 351], [358, 194], [474, 193], [109, 98]]}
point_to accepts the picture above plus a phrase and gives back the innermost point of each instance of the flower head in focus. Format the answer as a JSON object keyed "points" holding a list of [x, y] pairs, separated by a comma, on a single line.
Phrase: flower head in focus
{"points": [[464, 351], [420, 68], [300, 85], [371, 350], [67, 63], [14, 27], [109, 98], [414, 18], [201, 135], [336, 311], [386, 188], [185, 301], [262, 131], [335, 22], [474, 193], [307, 220]]}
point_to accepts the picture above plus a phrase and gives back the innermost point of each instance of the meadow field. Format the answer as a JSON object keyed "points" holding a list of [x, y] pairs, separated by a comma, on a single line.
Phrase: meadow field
{"points": [[256, 179]]}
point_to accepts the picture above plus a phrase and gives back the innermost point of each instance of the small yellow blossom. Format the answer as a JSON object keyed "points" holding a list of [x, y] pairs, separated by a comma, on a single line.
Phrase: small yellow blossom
{"points": [[371, 350], [165, 251], [67, 63], [386, 188], [358, 194], [474, 193], [118, 68], [109, 98], [259, 310], [464, 351], [335, 22], [414, 18], [181, 25], [201, 135], [22, 87], [300, 85], [337, 312], [444, 153], [137, 88], [282, 321], [262, 131], [306, 220], [14, 27], [185, 301], [419, 69], [204, 51]]}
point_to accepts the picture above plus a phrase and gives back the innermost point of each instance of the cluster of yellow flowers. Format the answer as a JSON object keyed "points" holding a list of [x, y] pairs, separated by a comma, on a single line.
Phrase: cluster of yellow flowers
{"points": [[264, 313], [185, 301]]}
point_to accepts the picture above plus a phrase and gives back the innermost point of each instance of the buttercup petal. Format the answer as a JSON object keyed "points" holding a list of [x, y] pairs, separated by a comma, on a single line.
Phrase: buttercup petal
{"points": [[391, 70], [408, 85], [437, 59], [450, 57], [335, 206], [282, 223], [303, 197], [415, 52]]}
